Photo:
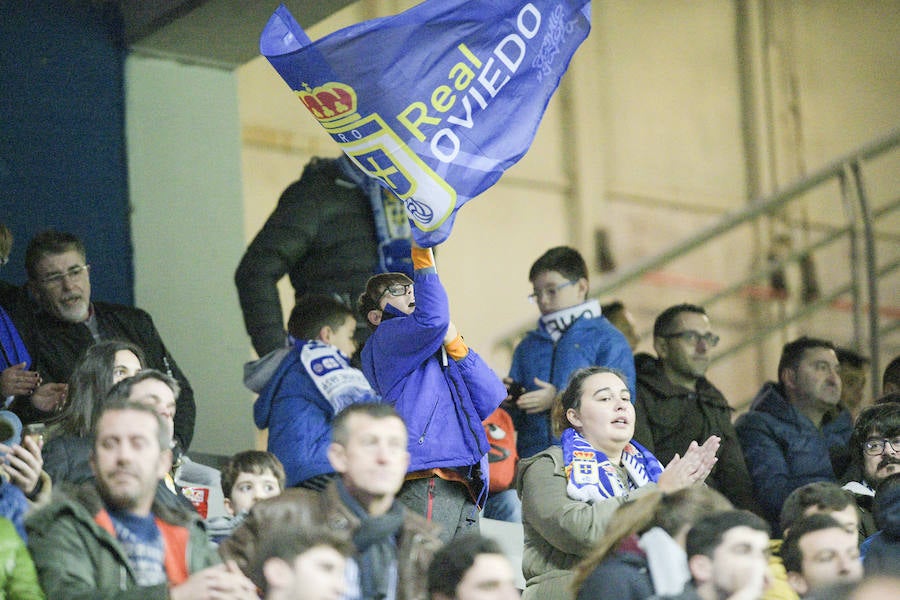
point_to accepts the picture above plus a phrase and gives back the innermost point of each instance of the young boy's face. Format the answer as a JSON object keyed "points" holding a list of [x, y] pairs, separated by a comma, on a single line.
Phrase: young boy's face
{"points": [[342, 337], [399, 295], [552, 291], [250, 488]]}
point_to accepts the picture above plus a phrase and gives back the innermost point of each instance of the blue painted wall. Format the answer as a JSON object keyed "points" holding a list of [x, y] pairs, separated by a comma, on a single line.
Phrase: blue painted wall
{"points": [[62, 134]]}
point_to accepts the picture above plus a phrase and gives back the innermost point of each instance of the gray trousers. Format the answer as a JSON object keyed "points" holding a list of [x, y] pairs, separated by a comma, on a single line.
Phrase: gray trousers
{"points": [[446, 503]]}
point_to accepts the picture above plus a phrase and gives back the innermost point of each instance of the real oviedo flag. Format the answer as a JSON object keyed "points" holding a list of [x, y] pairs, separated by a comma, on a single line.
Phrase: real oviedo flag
{"points": [[437, 101]]}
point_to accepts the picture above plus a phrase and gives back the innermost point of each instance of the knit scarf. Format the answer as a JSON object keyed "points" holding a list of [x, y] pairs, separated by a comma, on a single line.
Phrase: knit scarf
{"points": [[330, 370], [376, 546], [592, 477], [391, 223], [556, 323]]}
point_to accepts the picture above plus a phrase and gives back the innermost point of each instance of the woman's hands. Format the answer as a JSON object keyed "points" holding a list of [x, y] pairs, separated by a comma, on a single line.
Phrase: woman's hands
{"points": [[693, 467]]}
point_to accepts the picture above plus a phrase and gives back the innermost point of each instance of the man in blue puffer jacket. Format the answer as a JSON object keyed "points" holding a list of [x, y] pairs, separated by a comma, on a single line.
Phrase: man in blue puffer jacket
{"points": [[796, 431], [418, 362]]}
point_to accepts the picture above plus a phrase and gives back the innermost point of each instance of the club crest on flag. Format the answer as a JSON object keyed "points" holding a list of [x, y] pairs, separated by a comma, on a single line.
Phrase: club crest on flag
{"points": [[436, 102]]}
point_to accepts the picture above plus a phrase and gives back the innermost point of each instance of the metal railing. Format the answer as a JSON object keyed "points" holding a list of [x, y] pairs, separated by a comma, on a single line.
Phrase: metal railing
{"points": [[862, 284]]}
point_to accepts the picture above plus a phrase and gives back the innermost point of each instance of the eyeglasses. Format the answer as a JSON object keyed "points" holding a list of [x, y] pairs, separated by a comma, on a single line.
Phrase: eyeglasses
{"points": [[875, 447], [396, 289], [57, 278], [549, 292], [692, 337]]}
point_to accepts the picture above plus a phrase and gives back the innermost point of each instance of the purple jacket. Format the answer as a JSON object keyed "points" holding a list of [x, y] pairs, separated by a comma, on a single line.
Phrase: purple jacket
{"points": [[442, 402]]}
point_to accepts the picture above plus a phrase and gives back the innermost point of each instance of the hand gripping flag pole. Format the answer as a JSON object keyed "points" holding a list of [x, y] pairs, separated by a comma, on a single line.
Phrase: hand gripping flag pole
{"points": [[438, 101]]}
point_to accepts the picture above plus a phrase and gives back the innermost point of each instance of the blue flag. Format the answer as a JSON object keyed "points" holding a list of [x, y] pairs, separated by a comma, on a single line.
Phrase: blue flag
{"points": [[436, 102]]}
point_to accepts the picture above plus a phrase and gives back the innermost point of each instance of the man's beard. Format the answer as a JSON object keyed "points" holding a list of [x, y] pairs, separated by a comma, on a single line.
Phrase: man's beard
{"points": [[885, 461]]}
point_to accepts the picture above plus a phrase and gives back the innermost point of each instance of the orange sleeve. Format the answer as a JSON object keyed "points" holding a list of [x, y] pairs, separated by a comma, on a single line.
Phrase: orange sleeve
{"points": [[457, 349], [422, 258]]}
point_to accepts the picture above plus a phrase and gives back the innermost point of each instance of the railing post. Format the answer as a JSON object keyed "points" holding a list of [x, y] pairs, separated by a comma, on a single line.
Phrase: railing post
{"points": [[852, 215], [871, 274]]}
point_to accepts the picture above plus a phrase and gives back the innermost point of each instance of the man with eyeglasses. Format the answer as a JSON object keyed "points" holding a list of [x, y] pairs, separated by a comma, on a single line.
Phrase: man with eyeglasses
{"points": [[796, 430], [676, 404], [874, 451], [59, 321]]}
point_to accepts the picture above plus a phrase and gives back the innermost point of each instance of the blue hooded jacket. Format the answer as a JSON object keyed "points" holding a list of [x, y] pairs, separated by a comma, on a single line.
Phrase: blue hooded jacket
{"points": [[587, 342], [299, 418], [443, 401]]}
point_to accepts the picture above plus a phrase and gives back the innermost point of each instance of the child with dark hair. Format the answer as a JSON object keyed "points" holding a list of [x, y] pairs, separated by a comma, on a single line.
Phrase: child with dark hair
{"points": [[247, 478], [314, 381]]}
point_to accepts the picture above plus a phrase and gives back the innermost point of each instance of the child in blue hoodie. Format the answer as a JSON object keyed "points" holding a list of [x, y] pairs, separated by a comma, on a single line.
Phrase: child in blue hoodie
{"points": [[416, 359]]}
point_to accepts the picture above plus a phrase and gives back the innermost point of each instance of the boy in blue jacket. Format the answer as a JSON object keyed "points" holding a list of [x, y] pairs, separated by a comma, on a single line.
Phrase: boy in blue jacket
{"points": [[312, 384], [416, 359]]}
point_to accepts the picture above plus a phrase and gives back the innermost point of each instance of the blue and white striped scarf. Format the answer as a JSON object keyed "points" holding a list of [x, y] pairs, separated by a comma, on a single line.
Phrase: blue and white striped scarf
{"points": [[593, 477]]}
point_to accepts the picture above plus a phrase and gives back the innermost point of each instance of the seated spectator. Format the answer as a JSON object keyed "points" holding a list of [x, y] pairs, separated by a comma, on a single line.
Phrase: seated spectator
{"points": [[727, 553], [417, 360], [882, 556], [890, 379], [18, 579], [393, 545], [59, 321], [114, 540], [313, 383], [570, 492], [853, 380], [642, 553], [676, 404], [247, 478], [68, 448], [16, 378], [818, 551], [620, 318], [471, 568], [301, 564], [796, 431]]}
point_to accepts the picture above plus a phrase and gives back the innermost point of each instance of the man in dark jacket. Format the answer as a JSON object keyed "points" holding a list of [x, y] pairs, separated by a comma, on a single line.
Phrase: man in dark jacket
{"points": [[114, 540], [58, 322], [676, 404], [331, 230], [796, 430]]}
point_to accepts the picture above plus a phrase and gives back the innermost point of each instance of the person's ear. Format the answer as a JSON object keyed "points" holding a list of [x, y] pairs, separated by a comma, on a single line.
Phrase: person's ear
{"points": [[583, 287], [798, 582], [573, 418], [325, 334], [165, 463], [788, 378], [228, 507], [337, 456], [700, 567], [278, 574], [374, 317], [661, 347]]}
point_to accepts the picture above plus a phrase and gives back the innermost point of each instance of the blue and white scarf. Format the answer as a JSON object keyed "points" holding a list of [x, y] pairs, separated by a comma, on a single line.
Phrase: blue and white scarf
{"points": [[557, 322], [329, 368], [391, 223], [592, 477]]}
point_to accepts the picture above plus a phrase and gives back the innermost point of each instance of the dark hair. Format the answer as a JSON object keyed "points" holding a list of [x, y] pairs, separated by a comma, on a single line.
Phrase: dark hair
{"points": [[371, 298], [891, 376], [887, 499], [707, 532], [250, 461], [792, 352], [296, 513], [791, 554], [50, 242], [449, 565], [883, 418], [570, 397], [851, 358], [670, 512], [664, 323], [611, 308], [91, 380], [122, 390], [163, 432], [340, 432], [566, 261], [312, 312], [824, 495]]}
